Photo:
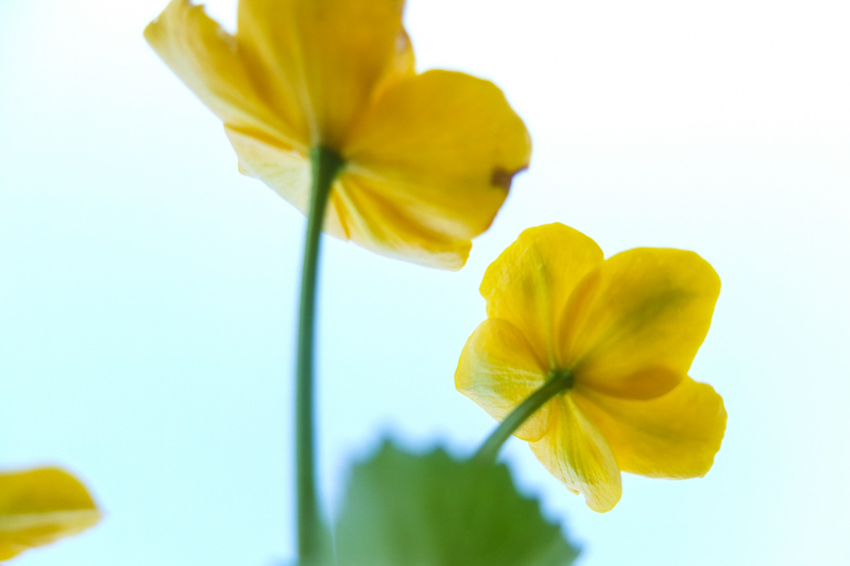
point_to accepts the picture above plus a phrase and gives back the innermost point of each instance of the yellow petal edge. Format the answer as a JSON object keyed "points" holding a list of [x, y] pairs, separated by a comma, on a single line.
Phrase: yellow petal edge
{"points": [[40, 506], [498, 370], [674, 436], [634, 325]]}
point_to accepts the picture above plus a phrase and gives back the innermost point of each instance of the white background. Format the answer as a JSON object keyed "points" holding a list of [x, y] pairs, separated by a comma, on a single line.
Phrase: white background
{"points": [[147, 290]]}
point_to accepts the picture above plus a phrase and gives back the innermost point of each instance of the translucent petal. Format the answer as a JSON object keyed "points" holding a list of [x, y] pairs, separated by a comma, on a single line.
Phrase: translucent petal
{"points": [[285, 170], [40, 506], [377, 222], [498, 370], [209, 62], [576, 452], [673, 436], [634, 325], [329, 57], [530, 283], [443, 147]]}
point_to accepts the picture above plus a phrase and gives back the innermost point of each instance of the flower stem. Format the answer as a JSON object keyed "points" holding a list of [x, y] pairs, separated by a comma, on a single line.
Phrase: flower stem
{"points": [[489, 450], [326, 165]]}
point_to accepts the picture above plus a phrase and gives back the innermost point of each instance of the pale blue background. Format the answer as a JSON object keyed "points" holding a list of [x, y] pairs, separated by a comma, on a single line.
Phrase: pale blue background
{"points": [[147, 290]]}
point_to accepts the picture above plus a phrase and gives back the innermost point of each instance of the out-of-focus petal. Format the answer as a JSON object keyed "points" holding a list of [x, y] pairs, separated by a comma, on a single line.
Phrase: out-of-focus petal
{"points": [[530, 282], [443, 146], [330, 56], [40, 506], [498, 370], [674, 436], [575, 452], [285, 170], [376, 221], [634, 325], [207, 60]]}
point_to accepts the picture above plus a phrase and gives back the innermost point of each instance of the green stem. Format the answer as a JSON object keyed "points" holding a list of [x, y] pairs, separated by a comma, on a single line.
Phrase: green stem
{"points": [[326, 164], [558, 383]]}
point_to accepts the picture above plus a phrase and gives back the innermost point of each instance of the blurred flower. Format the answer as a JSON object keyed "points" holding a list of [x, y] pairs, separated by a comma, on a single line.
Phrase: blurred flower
{"points": [[40, 506], [428, 157], [620, 334]]}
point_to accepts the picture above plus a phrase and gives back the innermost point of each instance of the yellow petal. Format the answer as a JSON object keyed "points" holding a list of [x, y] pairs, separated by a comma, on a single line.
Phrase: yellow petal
{"points": [[355, 211], [530, 283], [442, 147], [40, 506], [286, 171], [498, 370], [377, 223], [576, 452], [673, 436], [330, 56], [634, 325], [208, 61]]}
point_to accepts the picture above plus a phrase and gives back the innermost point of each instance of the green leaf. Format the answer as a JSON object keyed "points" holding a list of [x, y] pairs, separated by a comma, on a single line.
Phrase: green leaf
{"points": [[405, 509]]}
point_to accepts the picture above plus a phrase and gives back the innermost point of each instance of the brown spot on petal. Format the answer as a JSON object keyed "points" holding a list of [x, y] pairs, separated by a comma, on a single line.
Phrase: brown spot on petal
{"points": [[503, 178]]}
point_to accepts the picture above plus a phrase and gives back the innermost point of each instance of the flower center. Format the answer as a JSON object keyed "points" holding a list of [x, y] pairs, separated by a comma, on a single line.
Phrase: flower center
{"points": [[565, 377]]}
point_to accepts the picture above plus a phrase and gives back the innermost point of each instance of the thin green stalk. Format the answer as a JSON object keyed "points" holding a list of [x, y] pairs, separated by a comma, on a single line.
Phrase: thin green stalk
{"points": [[326, 164], [558, 383]]}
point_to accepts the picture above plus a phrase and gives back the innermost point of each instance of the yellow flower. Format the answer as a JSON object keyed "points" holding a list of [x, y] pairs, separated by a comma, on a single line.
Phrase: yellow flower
{"points": [[619, 335], [40, 506], [428, 158]]}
